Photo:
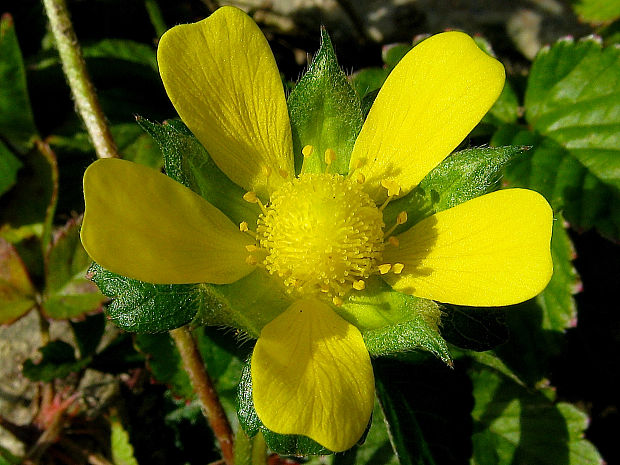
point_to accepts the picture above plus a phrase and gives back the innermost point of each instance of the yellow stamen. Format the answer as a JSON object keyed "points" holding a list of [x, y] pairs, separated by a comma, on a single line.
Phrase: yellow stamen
{"points": [[359, 285], [251, 260], [385, 268], [283, 173], [394, 241], [357, 164], [401, 218], [392, 187], [243, 226], [337, 301], [360, 178], [251, 248], [307, 150], [397, 268], [267, 171]]}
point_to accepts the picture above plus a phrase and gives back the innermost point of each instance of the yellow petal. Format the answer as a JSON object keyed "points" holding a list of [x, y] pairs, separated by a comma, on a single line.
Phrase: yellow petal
{"points": [[490, 251], [223, 81], [433, 98], [311, 375], [141, 224]]}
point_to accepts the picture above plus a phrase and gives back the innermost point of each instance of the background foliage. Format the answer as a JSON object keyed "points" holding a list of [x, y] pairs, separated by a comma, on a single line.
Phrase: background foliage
{"points": [[531, 384]]}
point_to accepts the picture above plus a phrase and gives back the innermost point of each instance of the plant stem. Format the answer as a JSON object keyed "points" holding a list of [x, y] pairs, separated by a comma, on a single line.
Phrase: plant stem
{"points": [[157, 20], [77, 76], [203, 386]]}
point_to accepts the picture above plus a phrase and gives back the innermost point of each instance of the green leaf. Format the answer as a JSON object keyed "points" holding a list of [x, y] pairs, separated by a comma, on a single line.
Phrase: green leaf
{"points": [[460, 177], [514, 425], [186, 161], [597, 11], [57, 362], [16, 120], [426, 408], [250, 451], [144, 307], [131, 141], [283, 444], [473, 328], [572, 98], [505, 109], [393, 53], [568, 185], [376, 449], [325, 112], [9, 166], [368, 80], [120, 445], [68, 293], [88, 333], [17, 293]]}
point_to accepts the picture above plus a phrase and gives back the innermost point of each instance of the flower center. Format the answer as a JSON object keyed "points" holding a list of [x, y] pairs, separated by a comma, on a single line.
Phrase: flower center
{"points": [[322, 233]]}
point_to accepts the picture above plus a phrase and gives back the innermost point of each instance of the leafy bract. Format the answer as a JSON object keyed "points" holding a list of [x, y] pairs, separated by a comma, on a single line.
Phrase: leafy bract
{"points": [[325, 112], [16, 120], [513, 425]]}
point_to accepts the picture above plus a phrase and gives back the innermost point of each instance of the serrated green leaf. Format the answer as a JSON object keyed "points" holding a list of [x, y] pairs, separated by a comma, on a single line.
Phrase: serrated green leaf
{"points": [[68, 293], [568, 185], [16, 120], [17, 293], [572, 98], [120, 445], [9, 166], [597, 11], [514, 425], [325, 113], [143, 307], [460, 177], [473, 328], [186, 161], [283, 444], [505, 109], [57, 362]]}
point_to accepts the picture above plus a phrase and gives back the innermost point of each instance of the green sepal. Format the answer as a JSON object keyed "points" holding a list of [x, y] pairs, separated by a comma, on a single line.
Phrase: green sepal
{"points": [[283, 444], [474, 328], [393, 322], [143, 307], [57, 362], [187, 161], [460, 177], [325, 113]]}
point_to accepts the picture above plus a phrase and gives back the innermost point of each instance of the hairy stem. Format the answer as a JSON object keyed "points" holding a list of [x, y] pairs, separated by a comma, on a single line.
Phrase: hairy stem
{"points": [[77, 76], [203, 386]]}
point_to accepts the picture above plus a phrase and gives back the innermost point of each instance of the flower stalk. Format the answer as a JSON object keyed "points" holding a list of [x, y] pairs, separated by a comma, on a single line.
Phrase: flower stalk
{"points": [[203, 386], [79, 81]]}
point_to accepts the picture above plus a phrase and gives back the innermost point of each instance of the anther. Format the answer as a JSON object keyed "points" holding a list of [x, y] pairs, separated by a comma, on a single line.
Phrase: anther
{"points": [[283, 173], [357, 164], [251, 260], [330, 156], [251, 248], [400, 219], [360, 178], [398, 267], [307, 150], [393, 241], [337, 301], [250, 197], [392, 187], [267, 171], [243, 226], [359, 285], [385, 268]]}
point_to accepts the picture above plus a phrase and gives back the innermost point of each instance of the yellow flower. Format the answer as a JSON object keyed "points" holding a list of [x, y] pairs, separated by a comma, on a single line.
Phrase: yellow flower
{"points": [[321, 235]]}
